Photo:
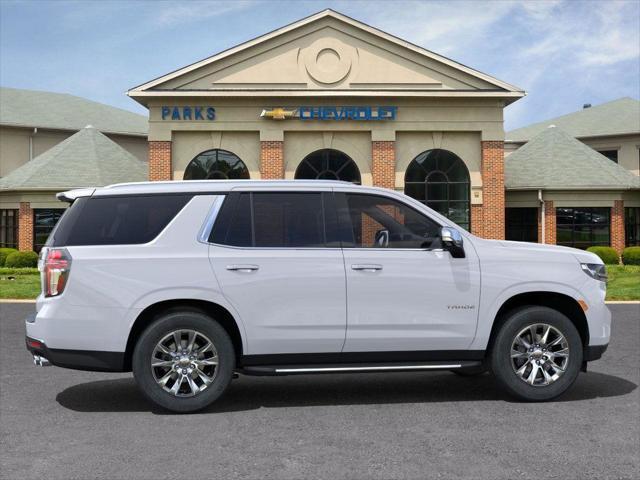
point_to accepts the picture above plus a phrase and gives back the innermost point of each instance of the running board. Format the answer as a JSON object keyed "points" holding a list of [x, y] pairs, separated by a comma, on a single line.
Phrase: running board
{"points": [[355, 368]]}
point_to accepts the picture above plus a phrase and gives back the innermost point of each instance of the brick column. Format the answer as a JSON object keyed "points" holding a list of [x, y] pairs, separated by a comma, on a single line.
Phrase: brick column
{"points": [[493, 189], [160, 161], [617, 226], [549, 223], [25, 227], [271, 159], [383, 163], [477, 220]]}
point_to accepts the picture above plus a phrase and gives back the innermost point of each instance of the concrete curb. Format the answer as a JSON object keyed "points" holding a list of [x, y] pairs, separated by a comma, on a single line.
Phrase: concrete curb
{"points": [[16, 300]]}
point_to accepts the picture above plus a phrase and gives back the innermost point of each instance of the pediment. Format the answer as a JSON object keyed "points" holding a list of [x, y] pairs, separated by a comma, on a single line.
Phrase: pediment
{"points": [[330, 52]]}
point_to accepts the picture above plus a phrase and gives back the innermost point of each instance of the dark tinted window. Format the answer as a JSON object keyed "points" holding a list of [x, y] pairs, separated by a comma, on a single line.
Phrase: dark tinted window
{"points": [[632, 226], [522, 224], [582, 227], [44, 221], [284, 220], [9, 228], [371, 221], [119, 220], [610, 154]]}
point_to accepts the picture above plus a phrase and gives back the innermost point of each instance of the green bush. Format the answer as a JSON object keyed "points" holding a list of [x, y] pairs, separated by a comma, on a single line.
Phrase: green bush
{"points": [[631, 256], [21, 260], [4, 253], [608, 255]]}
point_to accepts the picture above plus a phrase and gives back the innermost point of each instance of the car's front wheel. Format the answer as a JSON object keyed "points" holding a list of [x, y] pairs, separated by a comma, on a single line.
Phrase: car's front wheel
{"points": [[537, 354], [183, 361]]}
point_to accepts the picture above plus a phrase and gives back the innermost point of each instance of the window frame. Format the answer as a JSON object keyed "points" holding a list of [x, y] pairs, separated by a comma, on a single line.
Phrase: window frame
{"points": [[217, 154], [343, 213], [325, 153], [228, 207], [573, 224], [13, 229], [37, 246], [520, 224], [628, 242]]}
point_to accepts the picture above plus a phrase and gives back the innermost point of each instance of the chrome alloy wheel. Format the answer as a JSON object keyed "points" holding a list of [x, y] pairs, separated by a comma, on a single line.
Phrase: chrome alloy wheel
{"points": [[184, 363], [539, 354]]}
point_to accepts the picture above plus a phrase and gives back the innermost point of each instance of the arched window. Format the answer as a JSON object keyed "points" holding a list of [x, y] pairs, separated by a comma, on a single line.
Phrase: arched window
{"points": [[328, 164], [440, 179], [216, 164]]}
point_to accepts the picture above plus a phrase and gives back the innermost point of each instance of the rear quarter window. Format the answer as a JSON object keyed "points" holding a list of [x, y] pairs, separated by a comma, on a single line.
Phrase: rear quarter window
{"points": [[118, 220]]}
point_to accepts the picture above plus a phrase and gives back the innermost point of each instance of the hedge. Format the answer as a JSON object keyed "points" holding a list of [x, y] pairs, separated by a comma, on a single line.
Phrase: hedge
{"points": [[631, 256], [608, 255], [4, 253], [21, 260]]}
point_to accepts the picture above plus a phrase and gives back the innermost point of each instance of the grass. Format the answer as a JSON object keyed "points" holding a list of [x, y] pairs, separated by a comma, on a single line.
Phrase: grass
{"points": [[19, 283], [624, 282]]}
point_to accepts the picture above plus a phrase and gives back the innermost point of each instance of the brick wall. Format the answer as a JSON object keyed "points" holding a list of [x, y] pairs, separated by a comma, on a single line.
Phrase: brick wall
{"points": [[493, 189], [617, 226], [25, 227], [550, 223], [477, 220], [383, 164], [160, 161], [271, 159]]}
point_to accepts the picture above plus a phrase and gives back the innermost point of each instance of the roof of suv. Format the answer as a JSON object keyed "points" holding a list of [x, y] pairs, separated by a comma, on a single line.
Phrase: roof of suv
{"points": [[199, 186]]}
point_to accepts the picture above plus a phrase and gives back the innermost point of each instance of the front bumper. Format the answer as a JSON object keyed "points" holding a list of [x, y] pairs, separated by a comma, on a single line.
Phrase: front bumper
{"points": [[91, 360]]}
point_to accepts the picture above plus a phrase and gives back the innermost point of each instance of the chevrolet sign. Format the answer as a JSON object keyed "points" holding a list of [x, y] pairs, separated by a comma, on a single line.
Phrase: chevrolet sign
{"points": [[365, 113]]}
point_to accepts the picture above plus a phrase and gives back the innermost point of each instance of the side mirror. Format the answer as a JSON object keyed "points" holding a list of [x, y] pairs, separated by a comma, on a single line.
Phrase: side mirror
{"points": [[452, 241], [382, 239]]}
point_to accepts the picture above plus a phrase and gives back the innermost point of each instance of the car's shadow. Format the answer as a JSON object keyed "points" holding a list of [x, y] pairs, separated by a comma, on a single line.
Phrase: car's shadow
{"points": [[249, 393]]}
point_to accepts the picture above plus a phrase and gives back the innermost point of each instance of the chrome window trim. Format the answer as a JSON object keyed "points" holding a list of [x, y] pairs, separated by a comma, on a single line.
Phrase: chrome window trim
{"points": [[207, 226]]}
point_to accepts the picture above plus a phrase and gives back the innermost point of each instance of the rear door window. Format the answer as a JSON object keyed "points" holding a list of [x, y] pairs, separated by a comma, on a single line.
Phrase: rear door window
{"points": [[277, 220], [117, 220]]}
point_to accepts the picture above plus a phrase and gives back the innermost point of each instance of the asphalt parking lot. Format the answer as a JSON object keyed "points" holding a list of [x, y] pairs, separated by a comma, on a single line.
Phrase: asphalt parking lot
{"points": [[64, 424]]}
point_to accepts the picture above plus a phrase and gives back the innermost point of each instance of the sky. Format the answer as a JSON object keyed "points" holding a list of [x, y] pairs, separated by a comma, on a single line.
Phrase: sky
{"points": [[564, 53]]}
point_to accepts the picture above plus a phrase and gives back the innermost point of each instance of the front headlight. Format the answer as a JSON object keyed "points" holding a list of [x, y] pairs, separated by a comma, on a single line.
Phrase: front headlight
{"points": [[596, 271]]}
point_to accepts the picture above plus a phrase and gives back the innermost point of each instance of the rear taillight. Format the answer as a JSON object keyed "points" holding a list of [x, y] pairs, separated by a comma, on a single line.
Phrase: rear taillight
{"points": [[55, 269]]}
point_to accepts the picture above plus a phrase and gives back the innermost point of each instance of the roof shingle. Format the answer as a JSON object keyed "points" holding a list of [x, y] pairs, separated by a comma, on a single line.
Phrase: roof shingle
{"points": [[553, 159], [85, 159], [618, 117], [61, 111]]}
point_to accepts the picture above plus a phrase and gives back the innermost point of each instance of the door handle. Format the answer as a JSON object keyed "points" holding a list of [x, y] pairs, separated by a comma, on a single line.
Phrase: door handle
{"points": [[366, 268], [243, 268]]}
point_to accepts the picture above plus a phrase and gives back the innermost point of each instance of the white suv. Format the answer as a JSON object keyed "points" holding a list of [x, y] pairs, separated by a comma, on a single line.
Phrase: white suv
{"points": [[186, 283]]}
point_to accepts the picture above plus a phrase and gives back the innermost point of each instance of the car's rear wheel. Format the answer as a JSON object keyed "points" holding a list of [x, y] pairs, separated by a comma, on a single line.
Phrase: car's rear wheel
{"points": [[537, 354], [183, 361]]}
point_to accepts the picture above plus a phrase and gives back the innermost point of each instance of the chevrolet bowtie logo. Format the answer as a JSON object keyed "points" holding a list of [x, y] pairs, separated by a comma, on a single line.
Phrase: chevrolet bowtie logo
{"points": [[278, 113]]}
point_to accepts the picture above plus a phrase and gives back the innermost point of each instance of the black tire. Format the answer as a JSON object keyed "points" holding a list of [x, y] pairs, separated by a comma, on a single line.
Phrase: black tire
{"points": [[163, 325], [470, 371], [500, 355]]}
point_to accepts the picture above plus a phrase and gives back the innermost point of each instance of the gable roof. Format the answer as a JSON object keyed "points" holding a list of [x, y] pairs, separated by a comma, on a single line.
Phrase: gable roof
{"points": [[552, 159], [618, 117], [494, 87], [86, 159], [61, 111]]}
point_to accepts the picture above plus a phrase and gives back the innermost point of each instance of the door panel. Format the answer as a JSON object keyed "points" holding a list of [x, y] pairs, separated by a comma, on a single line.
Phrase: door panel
{"points": [[293, 302], [403, 291], [413, 300], [278, 261]]}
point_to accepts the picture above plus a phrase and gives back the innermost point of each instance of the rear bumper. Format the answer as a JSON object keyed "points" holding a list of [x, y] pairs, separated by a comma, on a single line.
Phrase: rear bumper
{"points": [[91, 360]]}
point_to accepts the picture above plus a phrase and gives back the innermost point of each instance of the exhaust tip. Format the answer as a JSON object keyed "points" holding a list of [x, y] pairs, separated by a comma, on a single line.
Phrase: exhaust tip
{"points": [[40, 361]]}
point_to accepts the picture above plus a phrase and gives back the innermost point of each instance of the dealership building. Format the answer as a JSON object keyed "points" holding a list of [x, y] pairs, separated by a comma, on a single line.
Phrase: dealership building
{"points": [[329, 97]]}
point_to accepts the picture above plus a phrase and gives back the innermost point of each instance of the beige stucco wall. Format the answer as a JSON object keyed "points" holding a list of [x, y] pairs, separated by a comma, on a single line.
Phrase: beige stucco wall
{"points": [[11, 200], [14, 145], [187, 145], [628, 147], [419, 114]]}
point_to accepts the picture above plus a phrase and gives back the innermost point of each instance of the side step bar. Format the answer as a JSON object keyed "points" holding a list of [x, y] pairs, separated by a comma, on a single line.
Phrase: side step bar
{"points": [[355, 368]]}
